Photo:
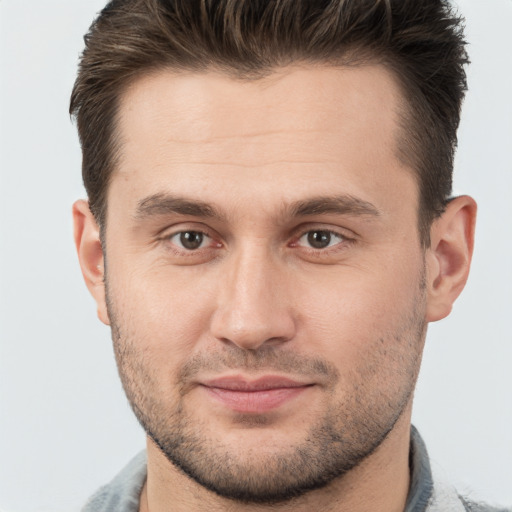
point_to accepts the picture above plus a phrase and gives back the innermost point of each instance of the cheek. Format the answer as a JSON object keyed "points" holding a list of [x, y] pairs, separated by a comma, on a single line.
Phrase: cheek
{"points": [[163, 311], [352, 310], [374, 343]]}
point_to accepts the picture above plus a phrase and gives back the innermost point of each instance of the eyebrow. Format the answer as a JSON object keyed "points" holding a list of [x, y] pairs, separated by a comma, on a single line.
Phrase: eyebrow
{"points": [[165, 204], [340, 205]]}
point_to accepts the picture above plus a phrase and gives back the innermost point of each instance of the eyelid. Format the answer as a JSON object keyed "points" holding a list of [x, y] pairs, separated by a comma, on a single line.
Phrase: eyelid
{"points": [[166, 234], [330, 233], [303, 229], [329, 254], [348, 237], [180, 227], [178, 243]]}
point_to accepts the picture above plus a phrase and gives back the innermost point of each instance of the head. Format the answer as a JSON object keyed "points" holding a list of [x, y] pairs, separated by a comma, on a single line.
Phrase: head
{"points": [[270, 230], [420, 42]]}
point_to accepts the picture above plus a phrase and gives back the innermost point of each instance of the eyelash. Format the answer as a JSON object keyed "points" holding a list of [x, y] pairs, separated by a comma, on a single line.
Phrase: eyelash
{"points": [[324, 251], [182, 251], [317, 252]]}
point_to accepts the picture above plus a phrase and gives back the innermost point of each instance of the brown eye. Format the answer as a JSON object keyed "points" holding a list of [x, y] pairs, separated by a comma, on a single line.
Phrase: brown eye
{"points": [[189, 240], [320, 239]]}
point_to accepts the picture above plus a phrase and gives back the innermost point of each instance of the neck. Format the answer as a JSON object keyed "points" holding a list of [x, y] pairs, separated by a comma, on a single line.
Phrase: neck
{"points": [[380, 482]]}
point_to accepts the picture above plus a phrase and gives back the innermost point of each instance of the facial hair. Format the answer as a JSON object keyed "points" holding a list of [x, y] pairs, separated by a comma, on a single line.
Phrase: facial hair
{"points": [[352, 426]]}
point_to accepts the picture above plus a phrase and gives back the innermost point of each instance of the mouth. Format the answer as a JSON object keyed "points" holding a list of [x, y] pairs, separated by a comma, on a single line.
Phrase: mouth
{"points": [[254, 396]]}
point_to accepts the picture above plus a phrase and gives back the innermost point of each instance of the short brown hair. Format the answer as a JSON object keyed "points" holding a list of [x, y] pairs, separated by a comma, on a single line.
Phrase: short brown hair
{"points": [[421, 41]]}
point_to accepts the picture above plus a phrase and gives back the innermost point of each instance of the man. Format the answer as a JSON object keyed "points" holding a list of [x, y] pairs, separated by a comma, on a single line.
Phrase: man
{"points": [[269, 229]]}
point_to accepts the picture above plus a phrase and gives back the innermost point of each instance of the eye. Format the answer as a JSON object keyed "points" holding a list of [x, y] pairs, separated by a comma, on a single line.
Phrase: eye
{"points": [[320, 239], [190, 240]]}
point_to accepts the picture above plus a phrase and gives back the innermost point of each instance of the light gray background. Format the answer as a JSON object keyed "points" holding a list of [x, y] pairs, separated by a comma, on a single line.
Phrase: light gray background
{"points": [[65, 427]]}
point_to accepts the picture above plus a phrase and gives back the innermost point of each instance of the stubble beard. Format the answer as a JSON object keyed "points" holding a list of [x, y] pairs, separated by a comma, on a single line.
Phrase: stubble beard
{"points": [[349, 431]]}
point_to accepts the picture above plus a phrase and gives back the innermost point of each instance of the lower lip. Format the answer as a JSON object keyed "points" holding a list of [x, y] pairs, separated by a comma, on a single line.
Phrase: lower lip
{"points": [[254, 401]]}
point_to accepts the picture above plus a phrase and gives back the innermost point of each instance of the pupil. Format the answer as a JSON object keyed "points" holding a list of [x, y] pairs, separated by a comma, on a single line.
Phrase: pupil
{"points": [[191, 239], [319, 239]]}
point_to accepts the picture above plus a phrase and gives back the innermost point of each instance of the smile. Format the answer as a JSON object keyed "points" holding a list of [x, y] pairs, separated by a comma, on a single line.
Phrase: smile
{"points": [[258, 396]]}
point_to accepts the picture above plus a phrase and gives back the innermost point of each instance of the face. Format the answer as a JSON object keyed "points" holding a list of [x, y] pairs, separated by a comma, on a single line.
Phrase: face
{"points": [[265, 277]]}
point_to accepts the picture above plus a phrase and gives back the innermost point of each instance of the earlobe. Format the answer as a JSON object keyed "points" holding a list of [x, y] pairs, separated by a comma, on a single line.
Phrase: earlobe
{"points": [[449, 257], [90, 255]]}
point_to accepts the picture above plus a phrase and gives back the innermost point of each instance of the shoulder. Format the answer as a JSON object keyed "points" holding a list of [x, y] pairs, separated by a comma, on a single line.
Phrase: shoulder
{"points": [[123, 492], [473, 506], [430, 493], [445, 498]]}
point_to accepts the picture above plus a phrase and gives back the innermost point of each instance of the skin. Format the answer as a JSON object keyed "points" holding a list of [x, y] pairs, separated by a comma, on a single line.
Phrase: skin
{"points": [[256, 298]]}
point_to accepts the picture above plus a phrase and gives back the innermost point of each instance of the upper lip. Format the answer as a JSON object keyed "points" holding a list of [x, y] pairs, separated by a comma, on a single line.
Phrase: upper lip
{"points": [[239, 383]]}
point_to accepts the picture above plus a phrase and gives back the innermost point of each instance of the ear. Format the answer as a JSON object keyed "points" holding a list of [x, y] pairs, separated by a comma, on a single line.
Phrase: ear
{"points": [[90, 255], [449, 256]]}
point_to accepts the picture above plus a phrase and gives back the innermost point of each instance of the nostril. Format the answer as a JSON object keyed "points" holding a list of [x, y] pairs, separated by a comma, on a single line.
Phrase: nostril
{"points": [[253, 339]]}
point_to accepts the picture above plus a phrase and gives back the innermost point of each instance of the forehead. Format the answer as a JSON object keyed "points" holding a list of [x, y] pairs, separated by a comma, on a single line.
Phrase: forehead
{"points": [[203, 107], [207, 132]]}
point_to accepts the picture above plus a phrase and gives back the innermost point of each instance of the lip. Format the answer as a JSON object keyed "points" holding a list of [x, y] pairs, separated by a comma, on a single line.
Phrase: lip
{"points": [[254, 396]]}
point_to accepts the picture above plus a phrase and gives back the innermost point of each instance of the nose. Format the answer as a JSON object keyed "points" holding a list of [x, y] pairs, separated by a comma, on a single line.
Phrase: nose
{"points": [[253, 302]]}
